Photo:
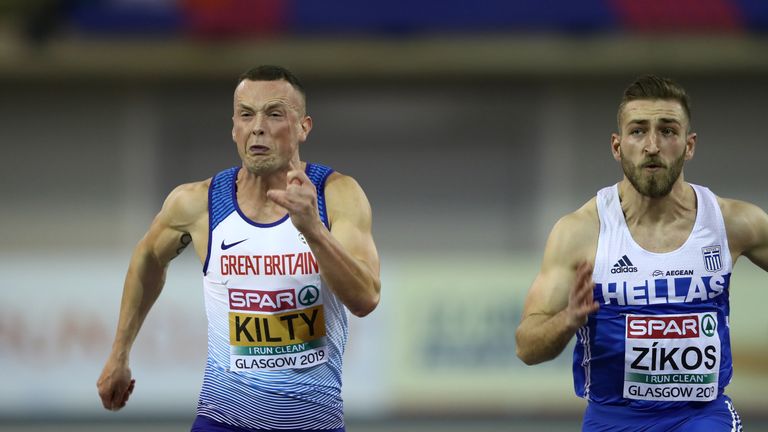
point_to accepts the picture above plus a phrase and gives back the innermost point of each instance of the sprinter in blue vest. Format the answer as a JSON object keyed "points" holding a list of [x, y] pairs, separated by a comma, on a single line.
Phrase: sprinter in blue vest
{"points": [[641, 275]]}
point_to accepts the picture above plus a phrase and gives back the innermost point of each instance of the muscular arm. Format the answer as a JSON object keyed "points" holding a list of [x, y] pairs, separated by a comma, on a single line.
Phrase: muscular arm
{"points": [[346, 255], [747, 228], [168, 235], [560, 298]]}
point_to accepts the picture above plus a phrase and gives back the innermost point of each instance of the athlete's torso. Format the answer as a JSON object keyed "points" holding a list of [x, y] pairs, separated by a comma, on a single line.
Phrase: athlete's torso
{"points": [[660, 338], [276, 334]]}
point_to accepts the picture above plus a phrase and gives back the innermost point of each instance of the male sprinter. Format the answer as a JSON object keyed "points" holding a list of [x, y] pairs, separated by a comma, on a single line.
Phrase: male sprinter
{"points": [[641, 275], [286, 248]]}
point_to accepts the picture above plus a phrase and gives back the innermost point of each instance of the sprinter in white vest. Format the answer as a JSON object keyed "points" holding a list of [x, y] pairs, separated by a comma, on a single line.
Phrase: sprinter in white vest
{"points": [[641, 274], [286, 249]]}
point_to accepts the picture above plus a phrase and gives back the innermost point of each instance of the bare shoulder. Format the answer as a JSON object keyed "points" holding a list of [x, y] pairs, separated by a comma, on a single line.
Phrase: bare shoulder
{"points": [[345, 195], [745, 223], [583, 219], [737, 209], [574, 237], [186, 204], [573, 241], [340, 184], [579, 228]]}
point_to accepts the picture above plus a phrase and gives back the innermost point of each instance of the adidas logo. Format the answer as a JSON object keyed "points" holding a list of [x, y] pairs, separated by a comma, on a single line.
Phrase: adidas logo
{"points": [[624, 265]]}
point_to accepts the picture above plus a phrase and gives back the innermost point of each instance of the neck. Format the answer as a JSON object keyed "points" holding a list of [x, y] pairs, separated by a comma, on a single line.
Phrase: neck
{"points": [[257, 185], [639, 208], [252, 193]]}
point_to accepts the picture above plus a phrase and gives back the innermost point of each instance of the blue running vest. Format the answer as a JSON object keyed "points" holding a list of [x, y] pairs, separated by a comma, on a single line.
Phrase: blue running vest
{"points": [[660, 339]]}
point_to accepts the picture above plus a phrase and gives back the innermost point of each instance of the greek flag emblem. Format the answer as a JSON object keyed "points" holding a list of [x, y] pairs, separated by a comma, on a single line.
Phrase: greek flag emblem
{"points": [[712, 260]]}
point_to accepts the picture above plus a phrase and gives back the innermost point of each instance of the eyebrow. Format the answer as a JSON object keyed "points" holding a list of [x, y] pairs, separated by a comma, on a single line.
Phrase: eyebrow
{"points": [[669, 120], [646, 122], [271, 105], [277, 104]]}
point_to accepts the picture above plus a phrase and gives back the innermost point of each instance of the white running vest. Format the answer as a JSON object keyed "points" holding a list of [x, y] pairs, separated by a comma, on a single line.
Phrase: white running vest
{"points": [[276, 335], [661, 338]]}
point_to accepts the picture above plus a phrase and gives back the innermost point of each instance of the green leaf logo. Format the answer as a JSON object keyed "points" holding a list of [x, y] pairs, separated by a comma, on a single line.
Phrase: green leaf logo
{"points": [[708, 325], [308, 295]]}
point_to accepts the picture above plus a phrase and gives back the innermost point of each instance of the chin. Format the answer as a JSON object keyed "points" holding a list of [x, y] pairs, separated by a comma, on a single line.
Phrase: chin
{"points": [[260, 169]]}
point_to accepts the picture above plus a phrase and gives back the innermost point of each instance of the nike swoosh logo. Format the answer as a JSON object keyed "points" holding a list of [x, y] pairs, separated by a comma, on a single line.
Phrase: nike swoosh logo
{"points": [[225, 246]]}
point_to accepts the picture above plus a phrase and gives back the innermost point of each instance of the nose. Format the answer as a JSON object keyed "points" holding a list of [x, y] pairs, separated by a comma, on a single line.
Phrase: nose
{"points": [[652, 144], [258, 124]]}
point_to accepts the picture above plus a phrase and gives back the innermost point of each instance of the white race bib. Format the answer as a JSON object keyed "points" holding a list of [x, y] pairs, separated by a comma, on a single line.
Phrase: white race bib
{"points": [[276, 329], [672, 357]]}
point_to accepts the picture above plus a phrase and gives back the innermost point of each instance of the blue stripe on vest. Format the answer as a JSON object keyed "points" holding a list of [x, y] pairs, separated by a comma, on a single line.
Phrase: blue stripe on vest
{"points": [[222, 191], [220, 204], [319, 174]]}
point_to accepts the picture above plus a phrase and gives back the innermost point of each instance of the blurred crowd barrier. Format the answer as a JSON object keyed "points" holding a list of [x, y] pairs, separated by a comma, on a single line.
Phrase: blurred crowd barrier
{"points": [[442, 342]]}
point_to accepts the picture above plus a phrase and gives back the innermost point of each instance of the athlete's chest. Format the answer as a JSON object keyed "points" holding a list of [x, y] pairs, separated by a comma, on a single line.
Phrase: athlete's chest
{"points": [[626, 274], [265, 284], [247, 253], [661, 237]]}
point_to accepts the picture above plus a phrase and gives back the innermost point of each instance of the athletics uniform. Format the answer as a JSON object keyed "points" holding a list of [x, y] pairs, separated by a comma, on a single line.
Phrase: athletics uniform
{"points": [[657, 355], [276, 334]]}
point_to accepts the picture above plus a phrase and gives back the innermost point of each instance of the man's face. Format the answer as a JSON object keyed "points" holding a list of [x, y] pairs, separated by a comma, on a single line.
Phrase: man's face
{"points": [[653, 145], [268, 124]]}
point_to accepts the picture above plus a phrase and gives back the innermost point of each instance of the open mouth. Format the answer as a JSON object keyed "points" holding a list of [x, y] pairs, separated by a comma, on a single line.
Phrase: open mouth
{"points": [[653, 165], [257, 149]]}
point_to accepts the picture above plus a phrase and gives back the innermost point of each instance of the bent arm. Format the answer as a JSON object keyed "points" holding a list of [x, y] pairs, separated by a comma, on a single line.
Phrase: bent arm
{"points": [[166, 238], [546, 327], [561, 297], [143, 283], [347, 256]]}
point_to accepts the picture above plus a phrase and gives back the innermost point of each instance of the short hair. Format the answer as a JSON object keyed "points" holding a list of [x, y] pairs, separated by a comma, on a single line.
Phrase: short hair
{"points": [[652, 87], [274, 73]]}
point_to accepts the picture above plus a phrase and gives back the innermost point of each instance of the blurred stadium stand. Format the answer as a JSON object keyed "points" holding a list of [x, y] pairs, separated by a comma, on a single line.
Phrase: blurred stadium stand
{"points": [[380, 39]]}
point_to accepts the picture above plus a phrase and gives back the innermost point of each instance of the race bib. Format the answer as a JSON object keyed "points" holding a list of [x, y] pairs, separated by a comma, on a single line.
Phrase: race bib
{"points": [[276, 330], [672, 357]]}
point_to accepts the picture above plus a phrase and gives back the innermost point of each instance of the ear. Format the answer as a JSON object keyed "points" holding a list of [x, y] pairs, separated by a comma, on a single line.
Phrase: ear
{"points": [[306, 125], [615, 146], [690, 146], [233, 129]]}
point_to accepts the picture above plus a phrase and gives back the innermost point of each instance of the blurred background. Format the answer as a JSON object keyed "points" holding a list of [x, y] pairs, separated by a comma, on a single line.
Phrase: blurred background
{"points": [[472, 126]]}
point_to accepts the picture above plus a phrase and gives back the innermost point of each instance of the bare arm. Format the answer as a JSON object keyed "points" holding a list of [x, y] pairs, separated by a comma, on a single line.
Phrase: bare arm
{"points": [[352, 262], [747, 228], [347, 256], [167, 237], [561, 297]]}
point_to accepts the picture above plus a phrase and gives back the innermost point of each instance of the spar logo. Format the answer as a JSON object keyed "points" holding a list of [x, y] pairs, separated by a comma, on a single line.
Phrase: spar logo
{"points": [[663, 327], [671, 327], [261, 301]]}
